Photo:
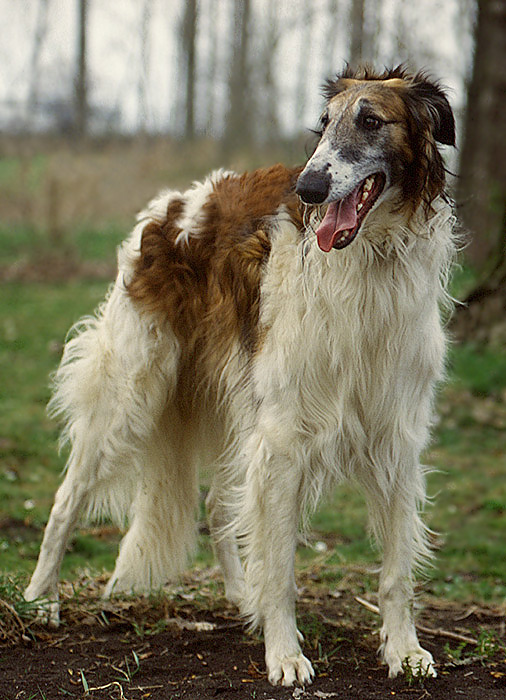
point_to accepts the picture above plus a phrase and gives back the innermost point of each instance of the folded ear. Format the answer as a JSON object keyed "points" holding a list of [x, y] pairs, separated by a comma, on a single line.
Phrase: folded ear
{"points": [[438, 107]]}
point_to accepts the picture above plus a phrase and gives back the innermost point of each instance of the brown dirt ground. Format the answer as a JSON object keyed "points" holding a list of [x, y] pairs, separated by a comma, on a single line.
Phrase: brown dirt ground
{"points": [[152, 648]]}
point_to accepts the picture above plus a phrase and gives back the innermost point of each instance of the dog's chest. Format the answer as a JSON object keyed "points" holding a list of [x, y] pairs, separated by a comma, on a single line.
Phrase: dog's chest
{"points": [[345, 349]]}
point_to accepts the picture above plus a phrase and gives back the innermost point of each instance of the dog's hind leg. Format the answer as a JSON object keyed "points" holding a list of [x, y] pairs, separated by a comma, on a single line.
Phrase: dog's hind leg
{"points": [[69, 501], [225, 543], [163, 530], [111, 388], [397, 524]]}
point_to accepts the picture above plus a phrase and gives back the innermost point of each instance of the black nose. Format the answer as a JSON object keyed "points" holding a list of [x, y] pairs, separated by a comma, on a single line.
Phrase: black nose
{"points": [[313, 186]]}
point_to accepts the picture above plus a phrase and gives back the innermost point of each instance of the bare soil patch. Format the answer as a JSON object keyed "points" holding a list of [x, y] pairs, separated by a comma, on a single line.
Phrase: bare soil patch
{"points": [[191, 644]]}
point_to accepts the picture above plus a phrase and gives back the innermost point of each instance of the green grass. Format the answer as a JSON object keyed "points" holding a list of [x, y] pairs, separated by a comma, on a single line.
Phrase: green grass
{"points": [[469, 451], [87, 243], [34, 319], [480, 370], [15, 170]]}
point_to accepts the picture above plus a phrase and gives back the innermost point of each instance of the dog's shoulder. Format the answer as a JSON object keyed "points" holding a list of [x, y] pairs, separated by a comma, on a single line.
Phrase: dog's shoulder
{"points": [[243, 203], [202, 252], [225, 211]]}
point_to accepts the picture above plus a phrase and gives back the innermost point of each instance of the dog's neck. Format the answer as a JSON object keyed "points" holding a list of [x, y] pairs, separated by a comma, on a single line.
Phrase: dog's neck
{"points": [[413, 250]]}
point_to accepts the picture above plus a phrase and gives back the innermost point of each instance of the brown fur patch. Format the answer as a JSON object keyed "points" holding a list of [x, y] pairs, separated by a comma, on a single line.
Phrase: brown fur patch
{"points": [[209, 288]]}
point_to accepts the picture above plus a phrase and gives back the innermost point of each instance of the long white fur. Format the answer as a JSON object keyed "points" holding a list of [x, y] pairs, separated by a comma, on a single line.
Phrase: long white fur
{"points": [[353, 339], [342, 387], [194, 200]]}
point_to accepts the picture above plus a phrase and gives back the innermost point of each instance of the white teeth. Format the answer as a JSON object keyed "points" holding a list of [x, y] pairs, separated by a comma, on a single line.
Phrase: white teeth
{"points": [[369, 183], [366, 190]]}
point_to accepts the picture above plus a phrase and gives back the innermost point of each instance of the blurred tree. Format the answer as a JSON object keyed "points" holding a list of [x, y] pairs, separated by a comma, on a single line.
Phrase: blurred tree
{"points": [[305, 51], [189, 51], [363, 23], [239, 119], [481, 193], [401, 46], [269, 92], [211, 83], [481, 190], [81, 86], [142, 99], [34, 78], [333, 21], [356, 52]]}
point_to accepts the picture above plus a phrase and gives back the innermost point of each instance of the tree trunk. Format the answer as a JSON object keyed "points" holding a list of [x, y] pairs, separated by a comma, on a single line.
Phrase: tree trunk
{"points": [[38, 40], [357, 32], [481, 193], [303, 64], [238, 128], [142, 98], [81, 94], [269, 91], [482, 318], [212, 67], [189, 43], [333, 22]]}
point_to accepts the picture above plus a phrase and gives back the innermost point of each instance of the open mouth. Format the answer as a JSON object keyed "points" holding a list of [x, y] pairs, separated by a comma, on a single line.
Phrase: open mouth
{"points": [[344, 217]]}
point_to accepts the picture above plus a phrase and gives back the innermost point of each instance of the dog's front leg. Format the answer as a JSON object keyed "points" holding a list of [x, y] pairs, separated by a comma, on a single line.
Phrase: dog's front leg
{"points": [[403, 535], [271, 518]]}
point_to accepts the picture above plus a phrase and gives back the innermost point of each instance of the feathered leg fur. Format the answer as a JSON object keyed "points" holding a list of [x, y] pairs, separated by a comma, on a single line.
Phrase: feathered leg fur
{"points": [[396, 522], [224, 542], [270, 518], [163, 529], [112, 389]]}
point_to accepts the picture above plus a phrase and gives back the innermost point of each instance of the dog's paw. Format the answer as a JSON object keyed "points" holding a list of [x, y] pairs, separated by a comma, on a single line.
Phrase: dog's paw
{"points": [[289, 670], [48, 611], [418, 662], [234, 592]]}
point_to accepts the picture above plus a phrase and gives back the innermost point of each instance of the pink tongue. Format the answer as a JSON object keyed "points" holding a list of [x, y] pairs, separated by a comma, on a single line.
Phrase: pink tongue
{"points": [[340, 216]]}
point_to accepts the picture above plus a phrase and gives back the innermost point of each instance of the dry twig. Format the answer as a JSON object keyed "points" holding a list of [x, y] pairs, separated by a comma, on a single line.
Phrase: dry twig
{"points": [[434, 632]]}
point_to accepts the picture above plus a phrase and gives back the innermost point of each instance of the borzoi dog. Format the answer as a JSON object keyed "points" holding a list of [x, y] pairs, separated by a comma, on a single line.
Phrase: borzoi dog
{"points": [[284, 326]]}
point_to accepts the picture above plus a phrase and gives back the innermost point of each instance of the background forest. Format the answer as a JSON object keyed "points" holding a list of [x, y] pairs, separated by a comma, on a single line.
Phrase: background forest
{"points": [[240, 78]]}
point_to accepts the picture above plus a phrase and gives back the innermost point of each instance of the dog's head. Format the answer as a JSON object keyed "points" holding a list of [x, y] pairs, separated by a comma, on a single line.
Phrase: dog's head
{"points": [[378, 140]]}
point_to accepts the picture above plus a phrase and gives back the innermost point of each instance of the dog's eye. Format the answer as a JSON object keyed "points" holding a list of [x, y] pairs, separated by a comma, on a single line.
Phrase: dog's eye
{"points": [[372, 123], [323, 124]]}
